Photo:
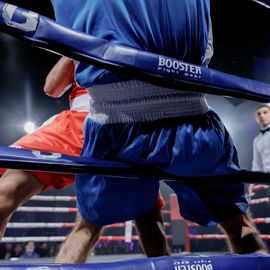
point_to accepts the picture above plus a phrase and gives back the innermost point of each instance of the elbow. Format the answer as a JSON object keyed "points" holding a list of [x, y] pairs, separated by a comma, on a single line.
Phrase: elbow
{"points": [[51, 89]]}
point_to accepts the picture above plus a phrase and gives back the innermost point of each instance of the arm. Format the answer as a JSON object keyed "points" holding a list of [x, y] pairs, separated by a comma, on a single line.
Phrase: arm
{"points": [[59, 78]]}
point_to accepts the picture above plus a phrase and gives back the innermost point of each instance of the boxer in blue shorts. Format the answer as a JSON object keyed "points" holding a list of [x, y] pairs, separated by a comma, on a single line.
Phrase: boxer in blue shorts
{"points": [[141, 123]]}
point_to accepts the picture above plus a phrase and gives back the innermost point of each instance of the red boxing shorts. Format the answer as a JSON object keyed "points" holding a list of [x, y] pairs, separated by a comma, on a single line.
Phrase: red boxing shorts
{"points": [[62, 133]]}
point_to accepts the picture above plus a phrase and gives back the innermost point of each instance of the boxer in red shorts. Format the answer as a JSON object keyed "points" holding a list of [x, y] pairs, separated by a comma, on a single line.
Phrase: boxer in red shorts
{"points": [[63, 133]]}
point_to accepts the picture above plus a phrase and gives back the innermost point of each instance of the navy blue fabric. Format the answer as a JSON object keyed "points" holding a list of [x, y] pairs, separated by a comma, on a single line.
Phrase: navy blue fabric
{"points": [[160, 26], [192, 146]]}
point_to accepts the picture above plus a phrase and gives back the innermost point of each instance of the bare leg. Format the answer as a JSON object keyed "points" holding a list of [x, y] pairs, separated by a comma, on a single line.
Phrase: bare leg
{"points": [[16, 187], [242, 235], [79, 243], [84, 236], [151, 233]]}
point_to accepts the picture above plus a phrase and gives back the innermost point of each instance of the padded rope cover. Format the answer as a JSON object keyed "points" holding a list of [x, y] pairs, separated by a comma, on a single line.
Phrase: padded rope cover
{"points": [[227, 262], [53, 162], [158, 69], [47, 34]]}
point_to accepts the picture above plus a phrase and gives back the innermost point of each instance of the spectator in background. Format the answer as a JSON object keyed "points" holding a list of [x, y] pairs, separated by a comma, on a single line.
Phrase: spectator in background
{"points": [[29, 251], [17, 251], [43, 250], [8, 251]]}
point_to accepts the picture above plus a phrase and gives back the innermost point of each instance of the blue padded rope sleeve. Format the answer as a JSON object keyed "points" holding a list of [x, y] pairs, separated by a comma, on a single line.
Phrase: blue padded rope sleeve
{"points": [[15, 158], [225, 262], [154, 68]]}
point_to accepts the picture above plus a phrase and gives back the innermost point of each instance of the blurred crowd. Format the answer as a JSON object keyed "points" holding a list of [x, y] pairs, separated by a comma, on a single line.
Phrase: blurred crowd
{"points": [[29, 250], [32, 250]]}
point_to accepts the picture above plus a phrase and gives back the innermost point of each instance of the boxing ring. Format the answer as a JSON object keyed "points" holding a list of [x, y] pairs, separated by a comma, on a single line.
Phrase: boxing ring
{"points": [[177, 262], [157, 69], [201, 262], [171, 211]]}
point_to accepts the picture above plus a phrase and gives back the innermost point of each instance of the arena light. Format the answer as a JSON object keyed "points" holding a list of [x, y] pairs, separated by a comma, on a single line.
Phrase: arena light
{"points": [[29, 127], [265, 3]]}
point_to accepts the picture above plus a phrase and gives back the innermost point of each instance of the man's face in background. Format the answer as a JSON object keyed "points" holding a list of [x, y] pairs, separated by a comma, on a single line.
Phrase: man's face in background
{"points": [[263, 116]]}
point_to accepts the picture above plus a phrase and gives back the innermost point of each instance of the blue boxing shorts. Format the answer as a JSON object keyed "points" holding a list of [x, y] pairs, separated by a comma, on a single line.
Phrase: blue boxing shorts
{"points": [[186, 146]]}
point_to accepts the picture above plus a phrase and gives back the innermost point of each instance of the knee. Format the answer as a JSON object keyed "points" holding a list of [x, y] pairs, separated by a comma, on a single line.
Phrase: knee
{"points": [[88, 229], [239, 226]]}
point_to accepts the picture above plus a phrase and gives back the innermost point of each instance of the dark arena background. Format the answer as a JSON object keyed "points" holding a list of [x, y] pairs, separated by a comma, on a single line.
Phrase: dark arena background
{"points": [[242, 47]]}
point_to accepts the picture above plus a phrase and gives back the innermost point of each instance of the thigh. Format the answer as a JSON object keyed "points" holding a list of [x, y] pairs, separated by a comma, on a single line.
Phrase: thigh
{"points": [[83, 224], [19, 186]]}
